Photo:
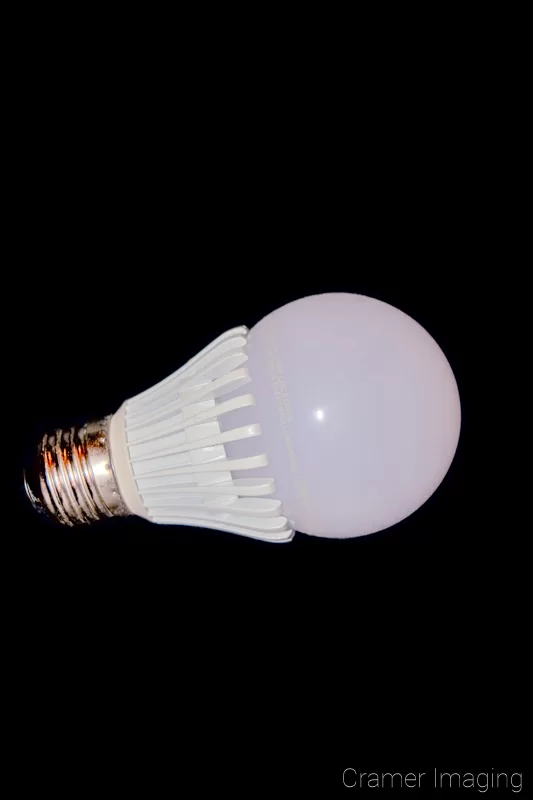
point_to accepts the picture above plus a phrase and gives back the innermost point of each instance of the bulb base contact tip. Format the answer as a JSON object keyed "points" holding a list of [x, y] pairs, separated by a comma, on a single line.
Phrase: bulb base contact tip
{"points": [[71, 478]]}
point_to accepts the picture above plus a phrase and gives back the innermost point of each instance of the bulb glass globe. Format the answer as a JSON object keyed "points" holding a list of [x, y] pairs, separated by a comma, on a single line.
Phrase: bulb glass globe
{"points": [[360, 410]]}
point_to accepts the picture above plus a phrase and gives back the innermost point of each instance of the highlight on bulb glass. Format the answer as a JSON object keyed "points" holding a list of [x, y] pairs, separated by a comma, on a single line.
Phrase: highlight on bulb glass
{"points": [[337, 415]]}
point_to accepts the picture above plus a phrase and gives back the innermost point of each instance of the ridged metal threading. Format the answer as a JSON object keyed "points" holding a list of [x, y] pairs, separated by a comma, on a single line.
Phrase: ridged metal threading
{"points": [[72, 478]]}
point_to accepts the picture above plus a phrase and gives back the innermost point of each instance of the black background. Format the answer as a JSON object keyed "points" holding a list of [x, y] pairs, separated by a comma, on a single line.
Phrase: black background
{"points": [[148, 222]]}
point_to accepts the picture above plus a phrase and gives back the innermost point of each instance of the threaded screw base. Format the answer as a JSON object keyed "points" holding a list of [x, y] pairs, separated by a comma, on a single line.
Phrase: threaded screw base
{"points": [[72, 478]]}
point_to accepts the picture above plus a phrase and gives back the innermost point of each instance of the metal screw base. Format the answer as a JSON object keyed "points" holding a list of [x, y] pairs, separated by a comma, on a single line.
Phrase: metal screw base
{"points": [[72, 478]]}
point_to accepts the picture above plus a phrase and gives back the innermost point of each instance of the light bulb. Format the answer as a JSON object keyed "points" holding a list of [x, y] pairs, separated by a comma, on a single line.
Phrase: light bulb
{"points": [[337, 415]]}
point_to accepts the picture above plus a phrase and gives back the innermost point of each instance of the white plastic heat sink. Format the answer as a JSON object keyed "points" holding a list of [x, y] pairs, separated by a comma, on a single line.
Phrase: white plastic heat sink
{"points": [[167, 447]]}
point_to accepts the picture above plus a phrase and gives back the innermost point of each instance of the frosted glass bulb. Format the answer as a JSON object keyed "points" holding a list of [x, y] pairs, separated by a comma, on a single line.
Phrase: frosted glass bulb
{"points": [[360, 410], [337, 415]]}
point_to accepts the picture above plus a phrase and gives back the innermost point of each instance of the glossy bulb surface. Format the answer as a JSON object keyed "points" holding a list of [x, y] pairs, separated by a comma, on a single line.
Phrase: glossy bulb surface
{"points": [[359, 410]]}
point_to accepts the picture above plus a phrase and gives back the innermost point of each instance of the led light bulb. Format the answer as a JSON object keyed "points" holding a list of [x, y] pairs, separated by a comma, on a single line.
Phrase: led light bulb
{"points": [[337, 415]]}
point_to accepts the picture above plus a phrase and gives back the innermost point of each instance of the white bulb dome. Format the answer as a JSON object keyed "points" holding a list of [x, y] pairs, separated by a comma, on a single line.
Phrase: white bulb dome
{"points": [[360, 409]]}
